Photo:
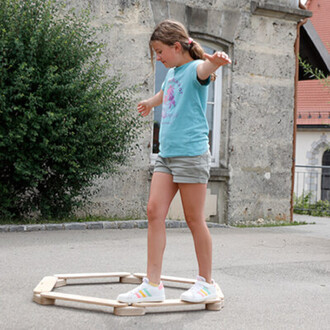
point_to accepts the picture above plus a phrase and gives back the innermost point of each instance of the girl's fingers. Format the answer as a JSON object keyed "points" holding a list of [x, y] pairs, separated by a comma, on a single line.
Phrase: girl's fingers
{"points": [[222, 56], [141, 108]]}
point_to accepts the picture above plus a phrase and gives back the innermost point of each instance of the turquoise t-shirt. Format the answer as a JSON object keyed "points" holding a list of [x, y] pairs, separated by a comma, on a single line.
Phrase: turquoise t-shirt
{"points": [[184, 129]]}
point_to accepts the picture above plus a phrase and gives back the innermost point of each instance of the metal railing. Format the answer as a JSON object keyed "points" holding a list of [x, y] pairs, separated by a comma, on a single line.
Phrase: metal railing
{"points": [[312, 189]]}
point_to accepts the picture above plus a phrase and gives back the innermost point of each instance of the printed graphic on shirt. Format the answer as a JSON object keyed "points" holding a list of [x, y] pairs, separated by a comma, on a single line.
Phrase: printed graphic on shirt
{"points": [[169, 102]]}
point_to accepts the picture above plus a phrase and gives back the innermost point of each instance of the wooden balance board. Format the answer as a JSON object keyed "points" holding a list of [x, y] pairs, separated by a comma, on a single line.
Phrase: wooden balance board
{"points": [[43, 293]]}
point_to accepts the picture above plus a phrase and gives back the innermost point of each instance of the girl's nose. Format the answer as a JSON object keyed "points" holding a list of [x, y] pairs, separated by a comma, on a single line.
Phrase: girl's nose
{"points": [[158, 57]]}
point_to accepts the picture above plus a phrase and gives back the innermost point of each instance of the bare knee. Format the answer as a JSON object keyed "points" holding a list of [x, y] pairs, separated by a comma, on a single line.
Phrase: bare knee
{"points": [[151, 211], [195, 223], [155, 213]]}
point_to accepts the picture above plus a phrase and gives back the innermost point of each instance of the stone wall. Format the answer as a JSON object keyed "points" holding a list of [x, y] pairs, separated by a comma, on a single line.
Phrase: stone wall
{"points": [[130, 25], [262, 116], [254, 177]]}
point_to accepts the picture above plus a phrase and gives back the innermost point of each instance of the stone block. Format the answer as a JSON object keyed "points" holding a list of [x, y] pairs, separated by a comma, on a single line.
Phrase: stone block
{"points": [[54, 226], [270, 65], [197, 19], [94, 225], [160, 10], [142, 224], [223, 23], [35, 227], [177, 11], [126, 224], [110, 224], [4, 228], [173, 224], [75, 226], [17, 228]]}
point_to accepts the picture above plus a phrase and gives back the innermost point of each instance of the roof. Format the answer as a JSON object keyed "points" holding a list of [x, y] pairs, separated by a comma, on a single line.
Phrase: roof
{"points": [[313, 102], [321, 19], [319, 46], [313, 96]]}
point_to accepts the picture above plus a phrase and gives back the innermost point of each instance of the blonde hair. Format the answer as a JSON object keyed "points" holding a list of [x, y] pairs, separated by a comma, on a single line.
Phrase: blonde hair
{"points": [[169, 32]]}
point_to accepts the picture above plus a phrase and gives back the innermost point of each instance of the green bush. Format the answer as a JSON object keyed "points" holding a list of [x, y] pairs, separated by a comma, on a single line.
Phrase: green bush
{"points": [[304, 205], [63, 121]]}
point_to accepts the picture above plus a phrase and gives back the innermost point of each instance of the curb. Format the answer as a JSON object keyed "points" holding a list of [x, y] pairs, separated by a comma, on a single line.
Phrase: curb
{"points": [[125, 224]]}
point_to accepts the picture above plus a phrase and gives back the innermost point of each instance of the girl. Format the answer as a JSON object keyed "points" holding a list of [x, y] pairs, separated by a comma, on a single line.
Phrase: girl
{"points": [[183, 162]]}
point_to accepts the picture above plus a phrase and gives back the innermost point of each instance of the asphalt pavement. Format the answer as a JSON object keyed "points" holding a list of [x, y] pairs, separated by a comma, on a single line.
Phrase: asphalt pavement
{"points": [[272, 278]]}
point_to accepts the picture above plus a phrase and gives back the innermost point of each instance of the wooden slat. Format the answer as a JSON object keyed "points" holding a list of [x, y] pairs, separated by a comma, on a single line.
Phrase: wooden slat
{"points": [[91, 275], [83, 299], [129, 311], [46, 284], [169, 278], [173, 302]]}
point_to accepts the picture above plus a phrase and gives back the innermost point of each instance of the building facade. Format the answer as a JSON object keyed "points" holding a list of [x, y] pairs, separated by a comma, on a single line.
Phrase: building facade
{"points": [[250, 108], [312, 175]]}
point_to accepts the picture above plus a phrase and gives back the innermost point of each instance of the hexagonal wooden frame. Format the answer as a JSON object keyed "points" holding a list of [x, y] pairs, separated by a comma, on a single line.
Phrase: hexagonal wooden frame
{"points": [[43, 294]]}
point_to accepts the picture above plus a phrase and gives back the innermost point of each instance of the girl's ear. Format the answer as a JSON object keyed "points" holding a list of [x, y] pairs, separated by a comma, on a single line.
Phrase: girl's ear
{"points": [[177, 46]]}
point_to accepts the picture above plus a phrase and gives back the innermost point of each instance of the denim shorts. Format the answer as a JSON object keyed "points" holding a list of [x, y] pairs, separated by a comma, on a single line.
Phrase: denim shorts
{"points": [[195, 169]]}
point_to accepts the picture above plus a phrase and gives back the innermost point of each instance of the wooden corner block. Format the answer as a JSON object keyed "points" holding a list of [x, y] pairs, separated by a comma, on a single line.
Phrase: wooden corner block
{"points": [[131, 279], [214, 306], [60, 283], [129, 311], [46, 284], [37, 298]]}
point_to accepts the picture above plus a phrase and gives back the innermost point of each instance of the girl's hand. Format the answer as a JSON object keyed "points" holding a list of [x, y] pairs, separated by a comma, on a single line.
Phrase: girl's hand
{"points": [[144, 108], [218, 58], [211, 64]]}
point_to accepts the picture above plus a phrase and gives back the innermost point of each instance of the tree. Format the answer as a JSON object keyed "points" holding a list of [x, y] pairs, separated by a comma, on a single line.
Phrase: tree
{"points": [[63, 121]]}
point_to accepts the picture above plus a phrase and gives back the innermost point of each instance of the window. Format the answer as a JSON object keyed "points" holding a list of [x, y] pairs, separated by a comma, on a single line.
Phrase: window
{"points": [[213, 112]]}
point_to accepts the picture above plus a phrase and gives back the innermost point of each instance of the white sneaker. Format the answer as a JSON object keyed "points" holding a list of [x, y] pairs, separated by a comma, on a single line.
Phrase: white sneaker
{"points": [[144, 292], [201, 291]]}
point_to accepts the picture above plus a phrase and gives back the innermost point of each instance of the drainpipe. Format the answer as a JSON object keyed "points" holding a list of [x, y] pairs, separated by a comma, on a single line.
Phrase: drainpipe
{"points": [[296, 50]]}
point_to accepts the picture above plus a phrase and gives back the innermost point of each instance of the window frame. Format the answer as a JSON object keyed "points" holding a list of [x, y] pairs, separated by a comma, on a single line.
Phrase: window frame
{"points": [[216, 129]]}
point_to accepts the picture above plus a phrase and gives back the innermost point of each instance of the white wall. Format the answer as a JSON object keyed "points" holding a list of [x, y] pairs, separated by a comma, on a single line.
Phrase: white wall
{"points": [[310, 147]]}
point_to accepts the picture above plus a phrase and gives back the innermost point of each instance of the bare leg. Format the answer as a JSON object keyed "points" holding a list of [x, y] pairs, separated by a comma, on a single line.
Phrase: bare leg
{"points": [[193, 201], [162, 191]]}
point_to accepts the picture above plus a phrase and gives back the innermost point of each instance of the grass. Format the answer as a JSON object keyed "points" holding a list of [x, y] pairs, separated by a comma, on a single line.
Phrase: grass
{"points": [[33, 221], [281, 224]]}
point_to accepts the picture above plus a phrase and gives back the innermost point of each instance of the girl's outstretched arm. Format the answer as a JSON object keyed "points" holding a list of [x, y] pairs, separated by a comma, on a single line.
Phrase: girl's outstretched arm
{"points": [[211, 64], [145, 106]]}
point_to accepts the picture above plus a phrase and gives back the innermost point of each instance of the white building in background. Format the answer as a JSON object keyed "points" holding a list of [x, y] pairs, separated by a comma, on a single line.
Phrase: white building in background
{"points": [[313, 107]]}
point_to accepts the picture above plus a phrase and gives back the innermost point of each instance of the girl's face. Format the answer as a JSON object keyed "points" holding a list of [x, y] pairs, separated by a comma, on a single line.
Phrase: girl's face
{"points": [[168, 55]]}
